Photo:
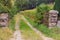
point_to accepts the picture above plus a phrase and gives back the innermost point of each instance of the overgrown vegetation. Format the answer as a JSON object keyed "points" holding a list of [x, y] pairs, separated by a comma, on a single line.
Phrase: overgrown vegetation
{"points": [[14, 6], [6, 6], [41, 11], [53, 33], [49, 32], [35, 17]]}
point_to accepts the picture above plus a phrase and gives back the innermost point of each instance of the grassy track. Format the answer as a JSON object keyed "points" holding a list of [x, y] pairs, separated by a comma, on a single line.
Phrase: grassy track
{"points": [[28, 33]]}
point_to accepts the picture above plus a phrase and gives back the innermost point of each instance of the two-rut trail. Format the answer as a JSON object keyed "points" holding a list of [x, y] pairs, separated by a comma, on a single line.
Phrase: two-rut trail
{"points": [[17, 33]]}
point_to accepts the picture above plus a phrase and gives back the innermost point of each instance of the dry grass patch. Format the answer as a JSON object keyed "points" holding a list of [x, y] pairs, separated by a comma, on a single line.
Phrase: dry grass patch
{"points": [[5, 33]]}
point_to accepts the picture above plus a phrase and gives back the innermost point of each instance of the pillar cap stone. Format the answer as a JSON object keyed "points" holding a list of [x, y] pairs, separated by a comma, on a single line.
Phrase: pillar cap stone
{"points": [[53, 11]]}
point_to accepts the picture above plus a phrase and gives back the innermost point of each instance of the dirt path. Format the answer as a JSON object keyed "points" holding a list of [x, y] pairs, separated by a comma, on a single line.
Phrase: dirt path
{"points": [[38, 32], [17, 33]]}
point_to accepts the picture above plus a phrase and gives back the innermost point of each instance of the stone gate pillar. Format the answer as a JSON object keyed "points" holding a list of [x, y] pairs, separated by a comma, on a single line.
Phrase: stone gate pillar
{"points": [[3, 19], [53, 16]]}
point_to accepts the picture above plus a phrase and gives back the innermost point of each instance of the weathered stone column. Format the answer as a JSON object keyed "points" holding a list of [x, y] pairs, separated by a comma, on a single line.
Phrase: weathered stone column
{"points": [[53, 16], [3, 19]]}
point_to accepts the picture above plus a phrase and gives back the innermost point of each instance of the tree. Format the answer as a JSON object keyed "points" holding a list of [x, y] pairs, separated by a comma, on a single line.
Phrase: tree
{"points": [[8, 6], [57, 6]]}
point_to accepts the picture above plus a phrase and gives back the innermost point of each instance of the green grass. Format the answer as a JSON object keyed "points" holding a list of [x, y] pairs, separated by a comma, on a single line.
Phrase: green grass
{"points": [[12, 24], [32, 22], [53, 33], [27, 32]]}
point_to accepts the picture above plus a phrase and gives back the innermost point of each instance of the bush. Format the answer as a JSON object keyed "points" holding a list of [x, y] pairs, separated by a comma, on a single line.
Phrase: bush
{"points": [[41, 10], [3, 8], [10, 10]]}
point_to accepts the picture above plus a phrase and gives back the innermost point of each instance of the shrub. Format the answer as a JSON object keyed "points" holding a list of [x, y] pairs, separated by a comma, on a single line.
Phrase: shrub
{"points": [[41, 10], [10, 10], [3, 8]]}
